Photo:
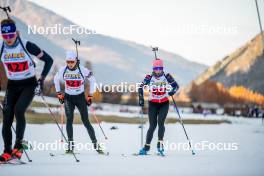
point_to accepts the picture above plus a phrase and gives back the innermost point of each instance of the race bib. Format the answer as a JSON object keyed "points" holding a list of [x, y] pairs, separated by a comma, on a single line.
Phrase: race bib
{"points": [[16, 67], [74, 83]]}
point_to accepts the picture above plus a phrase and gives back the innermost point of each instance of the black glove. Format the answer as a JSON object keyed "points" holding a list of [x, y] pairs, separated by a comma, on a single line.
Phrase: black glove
{"points": [[39, 88], [171, 93], [140, 96], [141, 102], [89, 100]]}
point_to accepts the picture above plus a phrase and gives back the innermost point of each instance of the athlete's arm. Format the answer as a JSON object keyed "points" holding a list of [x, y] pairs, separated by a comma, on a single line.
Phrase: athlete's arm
{"points": [[92, 81], [90, 77], [42, 55], [146, 81], [57, 79], [172, 82]]}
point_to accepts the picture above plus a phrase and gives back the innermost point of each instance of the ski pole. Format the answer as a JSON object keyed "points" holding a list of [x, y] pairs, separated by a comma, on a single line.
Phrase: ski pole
{"points": [[175, 106], [141, 121], [29, 160], [55, 120], [262, 116], [62, 117], [99, 123]]}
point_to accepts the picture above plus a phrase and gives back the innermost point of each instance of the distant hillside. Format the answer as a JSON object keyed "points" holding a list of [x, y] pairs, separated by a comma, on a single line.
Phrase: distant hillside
{"points": [[113, 60], [244, 67]]}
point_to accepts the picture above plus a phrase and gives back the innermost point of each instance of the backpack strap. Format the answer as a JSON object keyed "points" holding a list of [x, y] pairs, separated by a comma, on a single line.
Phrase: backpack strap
{"points": [[80, 71], [20, 41], [2, 49]]}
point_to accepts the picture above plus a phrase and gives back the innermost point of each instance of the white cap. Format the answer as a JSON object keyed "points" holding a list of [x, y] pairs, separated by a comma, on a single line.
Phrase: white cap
{"points": [[71, 56]]}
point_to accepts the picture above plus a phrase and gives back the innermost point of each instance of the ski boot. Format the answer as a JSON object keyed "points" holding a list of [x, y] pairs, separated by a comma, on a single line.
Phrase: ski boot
{"points": [[70, 147], [160, 152], [6, 156], [18, 150], [144, 150], [69, 151], [160, 148], [17, 153], [98, 148]]}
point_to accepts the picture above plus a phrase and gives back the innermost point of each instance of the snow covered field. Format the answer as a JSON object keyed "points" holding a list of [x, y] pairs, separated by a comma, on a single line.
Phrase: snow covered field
{"points": [[247, 134]]}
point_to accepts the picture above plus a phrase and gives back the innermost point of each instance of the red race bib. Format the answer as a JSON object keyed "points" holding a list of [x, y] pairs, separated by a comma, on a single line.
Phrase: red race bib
{"points": [[73, 83], [17, 66]]}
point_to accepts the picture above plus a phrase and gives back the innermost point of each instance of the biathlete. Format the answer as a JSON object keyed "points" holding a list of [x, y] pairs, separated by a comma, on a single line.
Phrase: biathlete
{"points": [[22, 84], [74, 76], [161, 85]]}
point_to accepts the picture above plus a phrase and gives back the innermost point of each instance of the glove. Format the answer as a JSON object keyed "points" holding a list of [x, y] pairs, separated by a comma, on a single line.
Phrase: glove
{"points": [[140, 96], [60, 97], [39, 88], [89, 100], [141, 102], [171, 93]]}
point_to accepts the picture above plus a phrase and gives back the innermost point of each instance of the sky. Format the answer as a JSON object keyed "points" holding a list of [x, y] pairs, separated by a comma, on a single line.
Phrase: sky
{"points": [[204, 31]]}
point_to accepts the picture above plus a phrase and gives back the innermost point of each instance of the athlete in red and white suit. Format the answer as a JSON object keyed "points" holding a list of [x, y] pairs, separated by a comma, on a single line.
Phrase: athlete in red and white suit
{"points": [[161, 85]]}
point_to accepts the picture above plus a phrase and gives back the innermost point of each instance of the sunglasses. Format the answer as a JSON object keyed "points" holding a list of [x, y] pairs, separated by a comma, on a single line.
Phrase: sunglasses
{"points": [[158, 68], [70, 62], [8, 36]]}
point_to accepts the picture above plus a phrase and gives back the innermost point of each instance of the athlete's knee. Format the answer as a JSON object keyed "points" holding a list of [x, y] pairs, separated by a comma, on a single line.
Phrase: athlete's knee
{"points": [[6, 111], [7, 117], [69, 116], [152, 127], [87, 124], [19, 111], [69, 122], [7, 123]]}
